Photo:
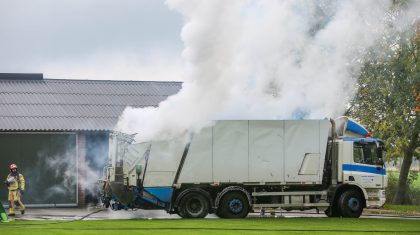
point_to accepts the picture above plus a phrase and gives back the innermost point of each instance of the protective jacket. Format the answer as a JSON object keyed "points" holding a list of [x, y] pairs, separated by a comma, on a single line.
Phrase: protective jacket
{"points": [[15, 182]]}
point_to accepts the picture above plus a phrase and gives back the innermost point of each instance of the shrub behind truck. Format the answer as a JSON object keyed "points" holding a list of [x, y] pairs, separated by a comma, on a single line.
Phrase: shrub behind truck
{"points": [[237, 167]]}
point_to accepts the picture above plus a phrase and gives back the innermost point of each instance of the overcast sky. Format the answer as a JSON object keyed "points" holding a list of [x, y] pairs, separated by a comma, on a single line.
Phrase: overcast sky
{"points": [[91, 39]]}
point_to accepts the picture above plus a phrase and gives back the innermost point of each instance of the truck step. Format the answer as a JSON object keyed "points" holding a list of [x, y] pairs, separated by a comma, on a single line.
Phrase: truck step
{"points": [[319, 204], [303, 193]]}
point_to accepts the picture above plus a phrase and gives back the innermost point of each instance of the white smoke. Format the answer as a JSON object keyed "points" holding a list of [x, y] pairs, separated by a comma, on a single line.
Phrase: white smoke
{"points": [[65, 169], [265, 60], [67, 173]]}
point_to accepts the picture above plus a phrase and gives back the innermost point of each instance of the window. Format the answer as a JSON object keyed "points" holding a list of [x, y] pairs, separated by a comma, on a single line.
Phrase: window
{"points": [[358, 154], [365, 153]]}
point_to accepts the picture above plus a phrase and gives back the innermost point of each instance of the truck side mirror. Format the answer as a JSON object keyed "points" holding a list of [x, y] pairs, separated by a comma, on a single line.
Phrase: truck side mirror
{"points": [[379, 164]]}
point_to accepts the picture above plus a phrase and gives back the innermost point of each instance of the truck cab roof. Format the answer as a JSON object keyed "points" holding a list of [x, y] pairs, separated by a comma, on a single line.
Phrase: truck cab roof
{"points": [[346, 127]]}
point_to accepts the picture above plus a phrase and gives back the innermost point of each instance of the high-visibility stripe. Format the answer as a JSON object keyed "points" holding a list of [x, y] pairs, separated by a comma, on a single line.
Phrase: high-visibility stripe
{"points": [[361, 168]]}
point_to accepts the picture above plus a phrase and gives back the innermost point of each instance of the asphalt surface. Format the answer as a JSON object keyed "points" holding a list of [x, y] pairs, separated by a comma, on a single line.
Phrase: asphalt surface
{"points": [[103, 214]]}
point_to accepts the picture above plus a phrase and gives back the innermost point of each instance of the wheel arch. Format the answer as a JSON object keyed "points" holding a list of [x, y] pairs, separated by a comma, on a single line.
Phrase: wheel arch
{"points": [[196, 190], [345, 187], [231, 189]]}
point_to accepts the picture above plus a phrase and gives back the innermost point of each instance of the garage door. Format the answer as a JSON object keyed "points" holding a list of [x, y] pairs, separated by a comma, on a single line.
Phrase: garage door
{"points": [[49, 164]]}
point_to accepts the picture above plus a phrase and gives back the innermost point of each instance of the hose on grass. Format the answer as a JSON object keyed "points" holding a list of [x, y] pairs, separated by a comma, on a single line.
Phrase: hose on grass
{"points": [[55, 222]]}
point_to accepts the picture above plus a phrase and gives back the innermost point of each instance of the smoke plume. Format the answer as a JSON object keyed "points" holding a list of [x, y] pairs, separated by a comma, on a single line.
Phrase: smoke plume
{"points": [[266, 60]]}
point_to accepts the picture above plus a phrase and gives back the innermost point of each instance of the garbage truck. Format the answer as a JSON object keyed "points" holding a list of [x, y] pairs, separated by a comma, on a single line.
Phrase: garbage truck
{"points": [[240, 166]]}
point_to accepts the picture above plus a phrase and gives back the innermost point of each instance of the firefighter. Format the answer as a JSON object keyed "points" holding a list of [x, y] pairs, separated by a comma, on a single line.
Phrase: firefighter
{"points": [[16, 185]]}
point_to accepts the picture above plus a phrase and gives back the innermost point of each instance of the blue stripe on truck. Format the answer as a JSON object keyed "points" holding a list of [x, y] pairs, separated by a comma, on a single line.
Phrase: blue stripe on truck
{"points": [[367, 140], [162, 193], [356, 127], [367, 169]]}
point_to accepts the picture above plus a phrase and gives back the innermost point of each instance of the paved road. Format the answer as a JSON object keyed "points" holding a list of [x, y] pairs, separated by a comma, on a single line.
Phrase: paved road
{"points": [[74, 213]]}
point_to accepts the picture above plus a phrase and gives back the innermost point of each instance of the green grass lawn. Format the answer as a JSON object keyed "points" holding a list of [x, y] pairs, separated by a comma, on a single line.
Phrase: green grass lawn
{"points": [[217, 226], [416, 183]]}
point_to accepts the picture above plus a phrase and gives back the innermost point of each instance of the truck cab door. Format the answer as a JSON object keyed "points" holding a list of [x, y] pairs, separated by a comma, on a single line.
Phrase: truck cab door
{"points": [[364, 169]]}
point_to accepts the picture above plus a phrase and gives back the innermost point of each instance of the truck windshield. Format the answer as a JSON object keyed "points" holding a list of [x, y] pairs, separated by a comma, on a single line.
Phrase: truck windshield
{"points": [[367, 153]]}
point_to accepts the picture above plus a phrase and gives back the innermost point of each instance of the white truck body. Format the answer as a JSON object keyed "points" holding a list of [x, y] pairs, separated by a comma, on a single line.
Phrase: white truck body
{"points": [[250, 152], [237, 166]]}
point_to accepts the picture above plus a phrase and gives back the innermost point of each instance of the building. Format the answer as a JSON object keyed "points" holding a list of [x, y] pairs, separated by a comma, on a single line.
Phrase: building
{"points": [[57, 131]]}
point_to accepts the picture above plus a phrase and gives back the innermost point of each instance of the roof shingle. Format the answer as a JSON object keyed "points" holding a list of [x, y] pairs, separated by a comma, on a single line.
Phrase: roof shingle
{"points": [[69, 105]]}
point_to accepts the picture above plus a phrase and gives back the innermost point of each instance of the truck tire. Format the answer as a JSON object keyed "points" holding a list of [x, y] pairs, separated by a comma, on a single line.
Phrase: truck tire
{"points": [[193, 205], [333, 211], [351, 204], [233, 205]]}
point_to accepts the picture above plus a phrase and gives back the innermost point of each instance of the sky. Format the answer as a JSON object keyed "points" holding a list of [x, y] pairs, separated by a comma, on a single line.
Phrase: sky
{"points": [[247, 59], [91, 39]]}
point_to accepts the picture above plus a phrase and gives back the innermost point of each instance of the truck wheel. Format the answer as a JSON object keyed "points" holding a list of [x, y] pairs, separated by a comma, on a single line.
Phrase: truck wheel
{"points": [[193, 205], [233, 205], [351, 204], [218, 214], [333, 211]]}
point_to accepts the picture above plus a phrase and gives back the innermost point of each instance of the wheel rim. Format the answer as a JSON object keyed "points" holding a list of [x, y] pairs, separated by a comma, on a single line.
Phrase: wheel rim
{"points": [[353, 204], [236, 206], [194, 206]]}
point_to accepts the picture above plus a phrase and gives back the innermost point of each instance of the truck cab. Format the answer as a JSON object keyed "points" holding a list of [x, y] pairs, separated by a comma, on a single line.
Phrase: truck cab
{"points": [[360, 164], [364, 166]]}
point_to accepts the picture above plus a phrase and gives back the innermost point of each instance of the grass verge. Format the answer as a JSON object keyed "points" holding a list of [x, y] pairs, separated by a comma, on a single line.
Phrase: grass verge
{"points": [[217, 226], [403, 208]]}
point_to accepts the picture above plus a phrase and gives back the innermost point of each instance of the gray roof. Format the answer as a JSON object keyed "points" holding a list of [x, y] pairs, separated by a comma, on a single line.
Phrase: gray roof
{"points": [[69, 105]]}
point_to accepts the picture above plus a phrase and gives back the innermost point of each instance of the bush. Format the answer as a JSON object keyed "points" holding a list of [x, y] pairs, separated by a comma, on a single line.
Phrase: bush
{"points": [[413, 189], [414, 192], [392, 186]]}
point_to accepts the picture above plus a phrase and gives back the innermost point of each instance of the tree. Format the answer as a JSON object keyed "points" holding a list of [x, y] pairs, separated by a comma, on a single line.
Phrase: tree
{"points": [[386, 103]]}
